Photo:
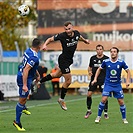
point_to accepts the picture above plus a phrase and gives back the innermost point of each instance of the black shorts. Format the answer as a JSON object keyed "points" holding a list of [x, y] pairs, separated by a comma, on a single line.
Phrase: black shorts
{"points": [[99, 85], [64, 64]]}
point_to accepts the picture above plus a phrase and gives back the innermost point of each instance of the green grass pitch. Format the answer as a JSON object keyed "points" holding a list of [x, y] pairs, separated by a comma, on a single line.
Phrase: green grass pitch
{"points": [[48, 117]]}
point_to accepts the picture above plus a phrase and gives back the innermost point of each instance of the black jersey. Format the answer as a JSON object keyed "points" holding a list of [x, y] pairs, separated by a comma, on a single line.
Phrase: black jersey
{"points": [[69, 44], [94, 64]]}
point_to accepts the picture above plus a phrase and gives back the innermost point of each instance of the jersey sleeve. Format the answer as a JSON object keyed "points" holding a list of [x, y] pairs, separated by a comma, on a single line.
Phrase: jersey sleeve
{"points": [[78, 33], [57, 37], [103, 64], [32, 61], [125, 66], [91, 64]]}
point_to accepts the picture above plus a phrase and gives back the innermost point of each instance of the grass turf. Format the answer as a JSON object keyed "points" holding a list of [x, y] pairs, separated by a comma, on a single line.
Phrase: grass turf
{"points": [[48, 117]]}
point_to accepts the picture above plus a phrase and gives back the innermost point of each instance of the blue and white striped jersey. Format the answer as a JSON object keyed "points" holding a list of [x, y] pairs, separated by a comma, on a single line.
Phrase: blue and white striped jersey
{"points": [[30, 57]]}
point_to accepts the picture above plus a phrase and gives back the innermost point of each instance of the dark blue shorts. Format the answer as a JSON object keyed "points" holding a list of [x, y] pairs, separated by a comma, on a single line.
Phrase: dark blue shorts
{"points": [[115, 90], [20, 85]]}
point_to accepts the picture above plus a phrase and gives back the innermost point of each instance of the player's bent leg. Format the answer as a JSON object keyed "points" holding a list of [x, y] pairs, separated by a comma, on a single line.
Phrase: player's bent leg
{"points": [[46, 78], [23, 102], [26, 111]]}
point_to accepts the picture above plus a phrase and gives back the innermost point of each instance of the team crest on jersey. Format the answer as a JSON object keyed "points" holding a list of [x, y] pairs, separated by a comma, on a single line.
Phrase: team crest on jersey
{"points": [[118, 66], [32, 62], [73, 40], [77, 37], [56, 35], [113, 72], [99, 61]]}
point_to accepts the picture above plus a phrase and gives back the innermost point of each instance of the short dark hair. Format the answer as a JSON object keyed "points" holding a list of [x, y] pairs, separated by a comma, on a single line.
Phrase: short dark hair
{"points": [[67, 23], [99, 45], [115, 48], [36, 42]]}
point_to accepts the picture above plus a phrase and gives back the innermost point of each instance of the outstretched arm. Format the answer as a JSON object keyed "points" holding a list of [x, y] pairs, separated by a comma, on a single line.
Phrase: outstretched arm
{"points": [[48, 41], [84, 40]]}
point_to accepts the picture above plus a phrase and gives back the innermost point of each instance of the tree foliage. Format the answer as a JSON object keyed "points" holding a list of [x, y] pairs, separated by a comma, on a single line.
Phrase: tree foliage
{"points": [[10, 21]]}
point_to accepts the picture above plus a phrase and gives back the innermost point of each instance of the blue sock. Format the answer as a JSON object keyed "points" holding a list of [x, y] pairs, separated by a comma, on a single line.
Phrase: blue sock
{"points": [[100, 108], [123, 111], [19, 108]]}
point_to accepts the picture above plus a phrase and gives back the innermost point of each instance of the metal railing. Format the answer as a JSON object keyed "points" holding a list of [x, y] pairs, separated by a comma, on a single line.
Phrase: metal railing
{"points": [[8, 68]]}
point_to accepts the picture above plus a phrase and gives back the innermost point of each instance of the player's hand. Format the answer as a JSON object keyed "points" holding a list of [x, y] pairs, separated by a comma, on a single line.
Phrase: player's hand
{"points": [[38, 78], [25, 88], [90, 73], [127, 84], [87, 41], [93, 82], [44, 47]]}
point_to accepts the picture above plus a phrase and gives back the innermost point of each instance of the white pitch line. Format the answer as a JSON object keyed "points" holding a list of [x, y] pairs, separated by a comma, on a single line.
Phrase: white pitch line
{"points": [[45, 104]]}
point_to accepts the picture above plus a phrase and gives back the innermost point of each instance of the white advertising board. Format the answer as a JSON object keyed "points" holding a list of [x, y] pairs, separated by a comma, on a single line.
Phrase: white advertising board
{"points": [[8, 85], [81, 59]]}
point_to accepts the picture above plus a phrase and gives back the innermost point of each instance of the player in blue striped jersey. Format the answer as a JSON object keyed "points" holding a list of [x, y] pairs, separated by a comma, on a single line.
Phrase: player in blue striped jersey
{"points": [[112, 83], [26, 73]]}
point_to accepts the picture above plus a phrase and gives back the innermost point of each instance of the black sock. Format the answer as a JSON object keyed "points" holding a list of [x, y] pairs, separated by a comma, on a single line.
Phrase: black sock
{"points": [[89, 102], [63, 92], [106, 106], [46, 78]]}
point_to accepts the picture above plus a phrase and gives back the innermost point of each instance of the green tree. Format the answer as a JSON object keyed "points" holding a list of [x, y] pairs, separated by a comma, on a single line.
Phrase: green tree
{"points": [[10, 21]]}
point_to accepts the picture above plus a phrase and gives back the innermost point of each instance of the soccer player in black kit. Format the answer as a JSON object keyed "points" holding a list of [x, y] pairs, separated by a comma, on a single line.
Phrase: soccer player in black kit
{"points": [[69, 40], [94, 64]]}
